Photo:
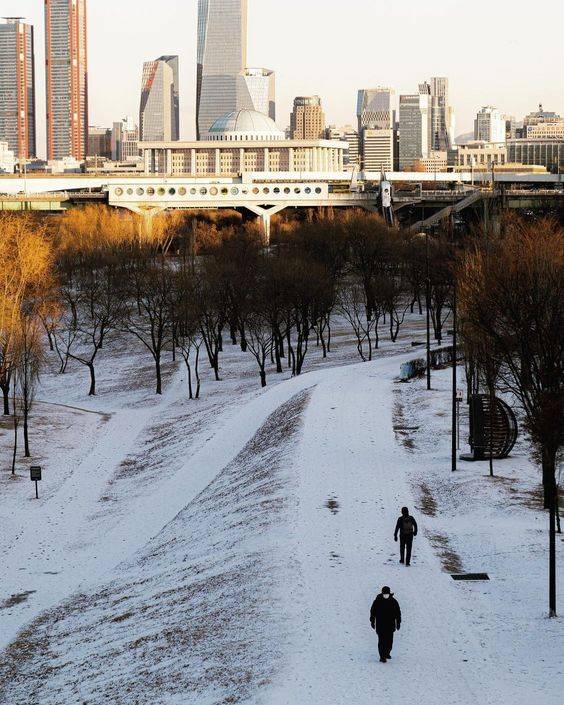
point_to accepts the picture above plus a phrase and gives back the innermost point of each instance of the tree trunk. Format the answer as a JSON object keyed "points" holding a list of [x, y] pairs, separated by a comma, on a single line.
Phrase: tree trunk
{"points": [[159, 389], [92, 392], [27, 453], [262, 377], [16, 423], [189, 370], [197, 373], [6, 396]]}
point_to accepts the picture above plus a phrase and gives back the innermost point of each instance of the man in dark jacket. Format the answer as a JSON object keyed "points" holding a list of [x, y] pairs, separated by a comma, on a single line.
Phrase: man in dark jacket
{"points": [[385, 618], [407, 528]]}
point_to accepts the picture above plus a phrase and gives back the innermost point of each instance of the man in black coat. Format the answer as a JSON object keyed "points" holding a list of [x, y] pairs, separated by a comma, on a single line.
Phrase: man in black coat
{"points": [[407, 528], [385, 618]]}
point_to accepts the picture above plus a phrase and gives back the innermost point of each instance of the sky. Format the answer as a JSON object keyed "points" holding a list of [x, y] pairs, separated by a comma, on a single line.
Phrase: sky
{"points": [[495, 52]]}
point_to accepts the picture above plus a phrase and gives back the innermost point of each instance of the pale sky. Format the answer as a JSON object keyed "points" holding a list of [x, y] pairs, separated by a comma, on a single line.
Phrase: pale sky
{"points": [[507, 53]]}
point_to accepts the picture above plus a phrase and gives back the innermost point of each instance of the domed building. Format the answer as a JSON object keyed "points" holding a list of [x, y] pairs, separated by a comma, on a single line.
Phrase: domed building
{"points": [[243, 141], [243, 125]]}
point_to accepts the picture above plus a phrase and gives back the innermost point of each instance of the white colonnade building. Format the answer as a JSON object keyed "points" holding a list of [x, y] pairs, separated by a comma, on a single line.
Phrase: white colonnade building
{"points": [[242, 141]]}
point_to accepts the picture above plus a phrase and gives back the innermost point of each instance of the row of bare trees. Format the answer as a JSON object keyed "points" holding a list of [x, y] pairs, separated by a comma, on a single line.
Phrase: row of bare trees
{"points": [[512, 300]]}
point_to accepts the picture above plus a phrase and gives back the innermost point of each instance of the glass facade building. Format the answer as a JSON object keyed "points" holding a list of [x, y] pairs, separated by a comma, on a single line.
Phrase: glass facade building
{"points": [[222, 58], [159, 112], [67, 78], [261, 88], [17, 87]]}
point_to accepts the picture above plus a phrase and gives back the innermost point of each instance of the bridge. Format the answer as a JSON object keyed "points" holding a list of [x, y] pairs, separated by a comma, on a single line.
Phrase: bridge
{"points": [[265, 194]]}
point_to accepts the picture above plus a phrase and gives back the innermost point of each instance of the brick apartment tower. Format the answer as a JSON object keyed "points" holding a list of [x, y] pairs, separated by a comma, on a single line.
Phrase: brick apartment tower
{"points": [[17, 87], [66, 78]]}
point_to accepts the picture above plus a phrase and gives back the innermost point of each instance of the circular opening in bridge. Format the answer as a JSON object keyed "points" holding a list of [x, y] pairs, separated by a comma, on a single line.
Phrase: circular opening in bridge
{"points": [[193, 191], [140, 191], [307, 189], [297, 190], [172, 191], [130, 192], [150, 191], [119, 192], [224, 191], [318, 190], [234, 191], [276, 189], [182, 191], [266, 190], [204, 191], [213, 191], [161, 191], [256, 190], [286, 190]]}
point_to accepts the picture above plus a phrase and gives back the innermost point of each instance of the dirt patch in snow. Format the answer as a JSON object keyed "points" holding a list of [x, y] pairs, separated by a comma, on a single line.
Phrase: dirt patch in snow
{"points": [[16, 599], [450, 560]]}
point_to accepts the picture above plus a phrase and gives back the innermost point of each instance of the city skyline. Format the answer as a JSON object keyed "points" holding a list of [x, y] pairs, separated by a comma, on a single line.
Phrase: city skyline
{"points": [[334, 75]]}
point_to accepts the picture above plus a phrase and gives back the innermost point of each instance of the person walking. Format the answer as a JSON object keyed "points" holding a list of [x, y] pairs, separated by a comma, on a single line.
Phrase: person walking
{"points": [[385, 618], [406, 526]]}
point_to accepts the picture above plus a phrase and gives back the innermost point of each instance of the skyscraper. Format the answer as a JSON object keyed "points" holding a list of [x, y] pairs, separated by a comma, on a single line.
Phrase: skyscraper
{"points": [[222, 58], [307, 121], [67, 78], [159, 116], [261, 88], [376, 121], [17, 87], [414, 129], [125, 141], [442, 114], [489, 125]]}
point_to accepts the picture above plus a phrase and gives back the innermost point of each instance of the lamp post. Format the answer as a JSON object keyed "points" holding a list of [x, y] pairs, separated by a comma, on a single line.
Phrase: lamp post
{"points": [[454, 375], [428, 308]]}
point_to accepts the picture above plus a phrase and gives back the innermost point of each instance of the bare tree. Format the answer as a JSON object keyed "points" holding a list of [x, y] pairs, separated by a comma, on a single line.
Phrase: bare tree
{"points": [[364, 321], [512, 299], [149, 313]]}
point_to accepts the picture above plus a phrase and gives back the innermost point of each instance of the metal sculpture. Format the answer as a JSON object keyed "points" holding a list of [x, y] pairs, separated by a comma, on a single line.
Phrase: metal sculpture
{"points": [[492, 431]]}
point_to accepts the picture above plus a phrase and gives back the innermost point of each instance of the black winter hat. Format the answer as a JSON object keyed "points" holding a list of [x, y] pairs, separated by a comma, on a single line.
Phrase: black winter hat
{"points": [[386, 590]]}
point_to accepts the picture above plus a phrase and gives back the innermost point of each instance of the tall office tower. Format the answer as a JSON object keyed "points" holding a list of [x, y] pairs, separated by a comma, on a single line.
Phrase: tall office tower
{"points": [[159, 116], [489, 125], [99, 142], [125, 141], [67, 78], [222, 58], [261, 89], [375, 111], [377, 150], [414, 129], [307, 121], [442, 114], [17, 87], [510, 127]]}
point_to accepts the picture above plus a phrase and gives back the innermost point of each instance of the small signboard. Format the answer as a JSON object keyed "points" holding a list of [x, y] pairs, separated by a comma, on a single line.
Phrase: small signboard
{"points": [[35, 476], [459, 395], [35, 473]]}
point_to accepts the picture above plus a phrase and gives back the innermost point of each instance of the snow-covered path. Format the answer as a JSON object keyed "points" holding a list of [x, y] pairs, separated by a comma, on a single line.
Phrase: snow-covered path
{"points": [[352, 485], [246, 573]]}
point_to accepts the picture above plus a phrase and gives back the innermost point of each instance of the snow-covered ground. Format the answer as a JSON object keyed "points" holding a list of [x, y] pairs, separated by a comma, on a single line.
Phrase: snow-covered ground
{"points": [[228, 550]]}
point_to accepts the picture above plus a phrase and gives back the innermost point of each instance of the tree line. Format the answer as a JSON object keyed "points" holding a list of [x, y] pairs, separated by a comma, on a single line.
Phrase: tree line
{"points": [[199, 283]]}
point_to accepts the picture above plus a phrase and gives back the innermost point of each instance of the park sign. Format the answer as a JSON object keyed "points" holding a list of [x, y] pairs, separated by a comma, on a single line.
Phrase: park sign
{"points": [[35, 473], [35, 476]]}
